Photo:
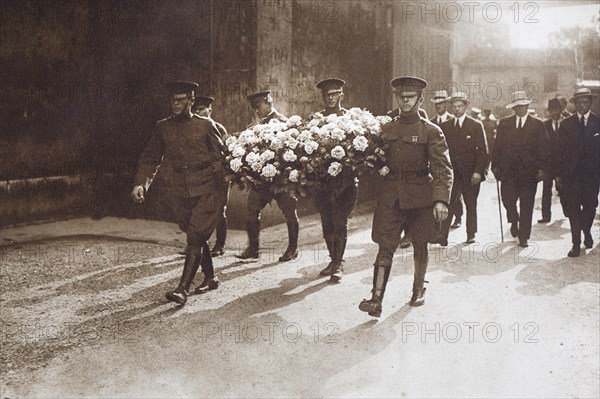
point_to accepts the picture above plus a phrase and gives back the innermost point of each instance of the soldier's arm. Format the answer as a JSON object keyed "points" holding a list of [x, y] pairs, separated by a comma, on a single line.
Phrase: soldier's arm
{"points": [[150, 160], [440, 166]]}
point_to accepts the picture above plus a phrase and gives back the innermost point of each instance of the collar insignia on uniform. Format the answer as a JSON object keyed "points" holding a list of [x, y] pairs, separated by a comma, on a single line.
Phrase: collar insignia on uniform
{"points": [[415, 139]]}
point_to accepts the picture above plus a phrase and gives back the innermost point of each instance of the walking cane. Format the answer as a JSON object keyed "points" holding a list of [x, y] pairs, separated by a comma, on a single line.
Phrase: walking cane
{"points": [[500, 209]]}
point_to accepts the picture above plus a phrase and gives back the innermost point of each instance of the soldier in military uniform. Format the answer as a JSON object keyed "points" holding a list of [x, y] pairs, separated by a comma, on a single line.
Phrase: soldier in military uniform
{"points": [[335, 198], [190, 145], [469, 156], [203, 107], [519, 160], [262, 104], [415, 193]]}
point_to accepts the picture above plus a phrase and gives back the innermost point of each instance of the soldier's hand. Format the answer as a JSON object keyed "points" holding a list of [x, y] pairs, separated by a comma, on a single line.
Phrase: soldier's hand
{"points": [[475, 179], [138, 194], [440, 212]]}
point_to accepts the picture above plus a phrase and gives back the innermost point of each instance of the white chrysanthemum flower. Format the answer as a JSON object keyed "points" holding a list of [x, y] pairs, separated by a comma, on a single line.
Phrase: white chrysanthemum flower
{"points": [[256, 166], [360, 143], [338, 152], [335, 168], [276, 145], [235, 164], [383, 119], [294, 176], [338, 134], [267, 155], [259, 127], [231, 140], [294, 120], [252, 158], [305, 135], [238, 151], [269, 171], [292, 143], [289, 156], [384, 171], [331, 118], [310, 146]]}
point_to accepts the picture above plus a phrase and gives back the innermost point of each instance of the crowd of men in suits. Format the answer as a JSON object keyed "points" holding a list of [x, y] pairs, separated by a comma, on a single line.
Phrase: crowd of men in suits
{"points": [[433, 164]]}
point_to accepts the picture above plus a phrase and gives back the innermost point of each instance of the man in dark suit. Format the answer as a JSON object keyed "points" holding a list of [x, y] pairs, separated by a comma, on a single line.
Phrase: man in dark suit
{"points": [[191, 147], [441, 101], [413, 195], [552, 124], [519, 161], [469, 157], [578, 168]]}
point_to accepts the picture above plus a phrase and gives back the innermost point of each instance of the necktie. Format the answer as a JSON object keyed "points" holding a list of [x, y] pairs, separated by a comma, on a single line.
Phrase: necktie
{"points": [[519, 124], [582, 121], [457, 124], [439, 120]]}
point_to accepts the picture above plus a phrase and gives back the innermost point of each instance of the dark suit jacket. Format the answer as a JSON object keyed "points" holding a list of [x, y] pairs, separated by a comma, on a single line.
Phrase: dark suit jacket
{"points": [[518, 155], [576, 146], [434, 119], [468, 147], [553, 145]]}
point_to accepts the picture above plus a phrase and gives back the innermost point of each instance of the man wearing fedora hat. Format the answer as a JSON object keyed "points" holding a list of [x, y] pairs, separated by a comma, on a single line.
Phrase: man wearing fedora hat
{"points": [[414, 194], [192, 148], [335, 199], [577, 168], [552, 124], [203, 107], [469, 157], [262, 104], [519, 162]]}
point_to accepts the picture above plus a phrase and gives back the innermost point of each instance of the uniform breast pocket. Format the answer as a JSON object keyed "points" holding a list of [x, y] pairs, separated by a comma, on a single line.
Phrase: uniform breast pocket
{"points": [[413, 158]]}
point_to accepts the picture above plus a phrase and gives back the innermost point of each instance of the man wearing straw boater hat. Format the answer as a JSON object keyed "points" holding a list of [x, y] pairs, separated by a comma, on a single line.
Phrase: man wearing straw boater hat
{"points": [[469, 157], [578, 168], [519, 160], [415, 193], [552, 124]]}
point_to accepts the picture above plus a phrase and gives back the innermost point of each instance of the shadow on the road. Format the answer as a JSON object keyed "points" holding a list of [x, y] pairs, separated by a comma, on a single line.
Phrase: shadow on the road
{"points": [[549, 278]]}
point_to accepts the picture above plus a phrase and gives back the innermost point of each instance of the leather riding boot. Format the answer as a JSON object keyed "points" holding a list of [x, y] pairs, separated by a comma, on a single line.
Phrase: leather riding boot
{"points": [[210, 282], [338, 268], [190, 267], [421, 259], [373, 306], [331, 248], [291, 251], [251, 251]]}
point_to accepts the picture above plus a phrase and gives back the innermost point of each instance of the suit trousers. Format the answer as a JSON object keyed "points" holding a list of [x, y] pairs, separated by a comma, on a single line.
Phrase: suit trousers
{"points": [[514, 190], [462, 186]]}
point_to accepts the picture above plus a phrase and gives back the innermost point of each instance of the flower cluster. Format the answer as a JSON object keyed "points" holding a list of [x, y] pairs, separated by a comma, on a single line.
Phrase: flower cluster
{"points": [[296, 155]]}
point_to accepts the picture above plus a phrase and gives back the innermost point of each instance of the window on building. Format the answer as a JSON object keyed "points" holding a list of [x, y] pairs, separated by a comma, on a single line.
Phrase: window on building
{"points": [[550, 81]]}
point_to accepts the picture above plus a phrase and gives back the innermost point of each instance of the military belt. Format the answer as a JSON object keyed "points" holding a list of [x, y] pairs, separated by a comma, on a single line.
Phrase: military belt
{"points": [[193, 168]]}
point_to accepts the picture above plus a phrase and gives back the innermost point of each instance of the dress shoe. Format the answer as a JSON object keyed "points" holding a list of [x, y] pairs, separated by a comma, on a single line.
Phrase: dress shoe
{"points": [[337, 273], [289, 254], [587, 240], [457, 223], [179, 297], [328, 270], [406, 241], [208, 284], [523, 243], [514, 229], [248, 253], [544, 220], [470, 239], [440, 240], [217, 250], [574, 252], [371, 306], [418, 297]]}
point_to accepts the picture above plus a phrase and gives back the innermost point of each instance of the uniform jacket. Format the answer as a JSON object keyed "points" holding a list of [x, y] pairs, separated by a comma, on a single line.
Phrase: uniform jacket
{"points": [[518, 155], [576, 146], [191, 148], [272, 115], [419, 163], [395, 113], [468, 147]]}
